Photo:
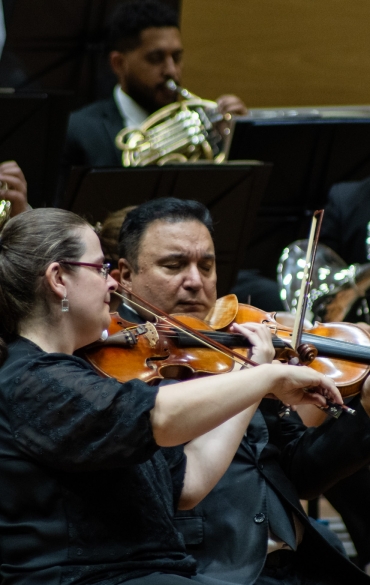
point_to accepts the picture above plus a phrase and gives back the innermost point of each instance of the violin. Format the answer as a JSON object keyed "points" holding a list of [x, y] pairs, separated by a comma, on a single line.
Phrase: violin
{"points": [[153, 351], [156, 351], [343, 349]]}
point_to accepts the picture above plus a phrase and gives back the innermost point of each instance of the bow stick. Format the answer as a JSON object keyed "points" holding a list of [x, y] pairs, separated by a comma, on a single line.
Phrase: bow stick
{"points": [[335, 410], [159, 314], [307, 277]]}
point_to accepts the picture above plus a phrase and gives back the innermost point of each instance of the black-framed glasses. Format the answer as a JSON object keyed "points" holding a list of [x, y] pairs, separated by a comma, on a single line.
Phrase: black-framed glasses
{"points": [[103, 269]]}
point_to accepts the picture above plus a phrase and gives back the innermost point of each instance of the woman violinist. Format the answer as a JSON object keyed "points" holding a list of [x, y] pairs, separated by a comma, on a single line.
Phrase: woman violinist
{"points": [[88, 488]]}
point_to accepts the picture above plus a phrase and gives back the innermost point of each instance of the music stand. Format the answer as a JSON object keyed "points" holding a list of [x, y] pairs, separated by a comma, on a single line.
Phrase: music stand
{"points": [[32, 133], [232, 192], [309, 154]]}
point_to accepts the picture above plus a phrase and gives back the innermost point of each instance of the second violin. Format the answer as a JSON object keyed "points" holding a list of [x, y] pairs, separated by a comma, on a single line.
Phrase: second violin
{"points": [[343, 349]]}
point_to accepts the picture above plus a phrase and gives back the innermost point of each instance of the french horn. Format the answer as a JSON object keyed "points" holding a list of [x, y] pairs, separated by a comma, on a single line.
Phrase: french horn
{"points": [[5, 207], [335, 286], [183, 131]]}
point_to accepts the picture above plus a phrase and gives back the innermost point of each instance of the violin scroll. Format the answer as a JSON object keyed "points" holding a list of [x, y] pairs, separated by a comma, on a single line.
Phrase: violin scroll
{"points": [[307, 353]]}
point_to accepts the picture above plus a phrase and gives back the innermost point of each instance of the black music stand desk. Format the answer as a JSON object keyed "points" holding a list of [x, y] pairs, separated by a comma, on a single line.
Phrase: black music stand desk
{"points": [[32, 133], [309, 154], [232, 193]]}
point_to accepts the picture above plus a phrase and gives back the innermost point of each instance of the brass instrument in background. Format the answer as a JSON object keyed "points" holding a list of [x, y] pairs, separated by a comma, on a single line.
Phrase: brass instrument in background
{"points": [[183, 131], [335, 286], [5, 207]]}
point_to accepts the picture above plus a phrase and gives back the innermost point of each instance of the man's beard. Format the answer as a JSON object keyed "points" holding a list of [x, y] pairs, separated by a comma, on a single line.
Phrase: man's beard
{"points": [[144, 96]]}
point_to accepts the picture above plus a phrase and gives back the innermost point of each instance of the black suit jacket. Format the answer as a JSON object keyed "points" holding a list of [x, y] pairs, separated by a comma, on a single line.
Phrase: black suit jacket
{"points": [[347, 214], [90, 135], [90, 141], [222, 532], [225, 532]]}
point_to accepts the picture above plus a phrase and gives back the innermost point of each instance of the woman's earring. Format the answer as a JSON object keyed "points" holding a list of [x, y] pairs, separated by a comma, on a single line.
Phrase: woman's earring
{"points": [[65, 304], [104, 335]]}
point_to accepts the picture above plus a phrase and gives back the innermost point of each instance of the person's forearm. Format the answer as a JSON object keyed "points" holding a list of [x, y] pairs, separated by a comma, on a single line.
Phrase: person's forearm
{"points": [[190, 409], [209, 456]]}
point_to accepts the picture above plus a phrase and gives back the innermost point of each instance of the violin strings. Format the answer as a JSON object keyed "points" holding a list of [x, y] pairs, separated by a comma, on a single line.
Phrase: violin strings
{"points": [[206, 343], [234, 356]]}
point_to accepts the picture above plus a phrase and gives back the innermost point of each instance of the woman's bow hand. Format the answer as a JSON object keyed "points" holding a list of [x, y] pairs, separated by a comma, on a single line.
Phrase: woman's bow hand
{"points": [[302, 385]]}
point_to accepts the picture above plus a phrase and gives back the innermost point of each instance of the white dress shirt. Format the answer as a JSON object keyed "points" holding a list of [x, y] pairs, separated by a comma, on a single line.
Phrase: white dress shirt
{"points": [[132, 114]]}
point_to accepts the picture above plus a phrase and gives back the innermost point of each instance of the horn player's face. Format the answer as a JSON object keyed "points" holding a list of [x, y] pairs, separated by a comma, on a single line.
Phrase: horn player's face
{"points": [[143, 72]]}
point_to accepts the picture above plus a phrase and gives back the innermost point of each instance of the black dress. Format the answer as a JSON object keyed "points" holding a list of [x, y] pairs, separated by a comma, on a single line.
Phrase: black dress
{"points": [[86, 495]]}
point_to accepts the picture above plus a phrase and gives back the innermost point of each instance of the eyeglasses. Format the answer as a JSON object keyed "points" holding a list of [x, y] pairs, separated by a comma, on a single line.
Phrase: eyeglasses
{"points": [[103, 269]]}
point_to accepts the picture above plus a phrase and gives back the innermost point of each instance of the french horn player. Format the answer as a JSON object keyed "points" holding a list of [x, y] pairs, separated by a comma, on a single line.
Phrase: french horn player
{"points": [[145, 52]]}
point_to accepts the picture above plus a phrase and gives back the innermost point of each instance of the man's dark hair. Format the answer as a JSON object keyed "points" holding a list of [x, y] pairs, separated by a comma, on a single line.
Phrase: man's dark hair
{"points": [[166, 208], [130, 18]]}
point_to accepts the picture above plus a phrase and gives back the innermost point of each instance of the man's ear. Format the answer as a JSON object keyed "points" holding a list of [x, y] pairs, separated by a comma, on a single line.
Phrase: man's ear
{"points": [[117, 62], [115, 274], [55, 278], [125, 272]]}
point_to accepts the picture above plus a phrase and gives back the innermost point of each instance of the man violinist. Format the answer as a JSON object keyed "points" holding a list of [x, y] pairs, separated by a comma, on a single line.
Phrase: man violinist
{"points": [[251, 529]]}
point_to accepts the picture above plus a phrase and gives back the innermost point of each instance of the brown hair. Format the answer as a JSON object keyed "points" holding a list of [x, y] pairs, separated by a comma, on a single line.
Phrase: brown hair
{"points": [[108, 233], [30, 242]]}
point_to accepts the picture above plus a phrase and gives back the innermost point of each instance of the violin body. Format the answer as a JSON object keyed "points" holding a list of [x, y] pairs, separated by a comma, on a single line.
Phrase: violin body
{"points": [[151, 352], [343, 348]]}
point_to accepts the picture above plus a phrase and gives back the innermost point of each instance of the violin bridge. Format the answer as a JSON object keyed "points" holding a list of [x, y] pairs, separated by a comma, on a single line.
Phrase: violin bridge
{"points": [[151, 334]]}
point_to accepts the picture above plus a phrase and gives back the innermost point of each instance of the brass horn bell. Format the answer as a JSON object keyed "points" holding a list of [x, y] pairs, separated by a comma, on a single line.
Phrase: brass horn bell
{"points": [[180, 132], [335, 286]]}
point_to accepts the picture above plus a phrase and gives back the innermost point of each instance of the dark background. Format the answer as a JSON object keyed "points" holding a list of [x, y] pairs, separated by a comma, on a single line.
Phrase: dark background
{"points": [[58, 45]]}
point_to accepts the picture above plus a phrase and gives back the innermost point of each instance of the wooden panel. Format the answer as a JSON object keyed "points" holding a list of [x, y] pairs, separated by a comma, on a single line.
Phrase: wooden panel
{"points": [[278, 52]]}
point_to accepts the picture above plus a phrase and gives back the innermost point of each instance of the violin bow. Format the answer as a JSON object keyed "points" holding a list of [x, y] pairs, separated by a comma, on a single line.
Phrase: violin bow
{"points": [[334, 410], [159, 314], [307, 277]]}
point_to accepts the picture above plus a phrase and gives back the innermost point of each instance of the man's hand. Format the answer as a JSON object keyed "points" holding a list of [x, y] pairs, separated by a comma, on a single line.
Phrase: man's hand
{"points": [[262, 351], [231, 104], [15, 189]]}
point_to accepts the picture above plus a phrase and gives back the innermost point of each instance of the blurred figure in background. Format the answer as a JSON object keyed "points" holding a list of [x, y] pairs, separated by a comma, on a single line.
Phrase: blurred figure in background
{"points": [[13, 187]]}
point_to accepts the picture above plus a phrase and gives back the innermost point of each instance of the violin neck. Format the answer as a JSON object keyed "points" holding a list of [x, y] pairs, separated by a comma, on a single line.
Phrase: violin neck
{"points": [[326, 346], [227, 339], [334, 348]]}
